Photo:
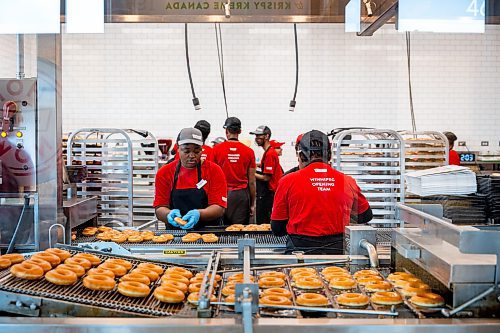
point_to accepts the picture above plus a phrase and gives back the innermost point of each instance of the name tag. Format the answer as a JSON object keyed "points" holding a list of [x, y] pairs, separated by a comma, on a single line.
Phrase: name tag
{"points": [[201, 183], [174, 252]]}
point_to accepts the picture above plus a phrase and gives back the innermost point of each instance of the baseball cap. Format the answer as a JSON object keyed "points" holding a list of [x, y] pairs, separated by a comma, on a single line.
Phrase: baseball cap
{"points": [[298, 138], [203, 125], [262, 129], [320, 140], [219, 139], [190, 135], [276, 144], [232, 122]]}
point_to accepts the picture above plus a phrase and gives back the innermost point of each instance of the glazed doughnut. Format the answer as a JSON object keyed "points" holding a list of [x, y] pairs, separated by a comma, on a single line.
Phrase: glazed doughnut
{"points": [[135, 239], [163, 238], [250, 227], [427, 300], [235, 282], [304, 275], [333, 269], [202, 274], [271, 282], [136, 277], [61, 277], [200, 280], [151, 267], [101, 271], [104, 229], [77, 269], [364, 279], [342, 283], [130, 232], [133, 289], [294, 271], [365, 272], [274, 300], [228, 290], [147, 235], [99, 282], [312, 299], [125, 263], [89, 231], [234, 227], [73, 237], [45, 265], [152, 275], [26, 271], [414, 288], [79, 261], [210, 238], [386, 298], [174, 277], [194, 287], [399, 276], [104, 236], [168, 294], [308, 283], [5, 263], [191, 237], [333, 275], [119, 270], [273, 274], [378, 286], [353, 299], [119, 239], [277, 291], [230, 299], [177, 285], [94, 260], [51, 258], [402, 283], [14, 258], [62, 254], [179, 270], [264, 226], [239, 276], [193, 298]]}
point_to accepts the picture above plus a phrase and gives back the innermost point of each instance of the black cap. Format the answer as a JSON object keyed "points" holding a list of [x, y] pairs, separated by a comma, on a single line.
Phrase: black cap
{"points": [[232, 122], [314, 141], [451, 136], [262, 129], [203, 125]]}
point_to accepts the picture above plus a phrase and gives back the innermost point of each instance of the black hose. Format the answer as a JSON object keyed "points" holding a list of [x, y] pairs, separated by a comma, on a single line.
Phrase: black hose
{"points": [[195, 100], [14, 235], [292, 102], [408, 57], [220, 55]]}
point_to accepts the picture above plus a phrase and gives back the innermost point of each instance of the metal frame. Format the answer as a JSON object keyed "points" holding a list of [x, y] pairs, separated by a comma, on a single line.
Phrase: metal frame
{"points": [[125, 176], [380, 175]]}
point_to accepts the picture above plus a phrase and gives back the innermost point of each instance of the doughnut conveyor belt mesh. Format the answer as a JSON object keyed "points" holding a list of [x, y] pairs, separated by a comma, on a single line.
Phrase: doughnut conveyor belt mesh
{"points": [[262, 239], [106, 301]]}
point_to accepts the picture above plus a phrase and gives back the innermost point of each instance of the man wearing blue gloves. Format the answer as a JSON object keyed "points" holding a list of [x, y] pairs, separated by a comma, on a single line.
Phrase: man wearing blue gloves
{"points": [[190, 193]]}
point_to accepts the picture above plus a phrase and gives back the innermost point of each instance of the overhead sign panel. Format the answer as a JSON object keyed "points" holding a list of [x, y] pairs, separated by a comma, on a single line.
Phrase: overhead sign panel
{"points": [[467, 16], [85, 16], [30, 16]]}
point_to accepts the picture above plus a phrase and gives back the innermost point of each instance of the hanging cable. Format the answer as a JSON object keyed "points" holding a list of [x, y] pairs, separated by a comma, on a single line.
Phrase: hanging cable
{"points": [[220, 54], [292, 102], [408, 57], [196, 101]]}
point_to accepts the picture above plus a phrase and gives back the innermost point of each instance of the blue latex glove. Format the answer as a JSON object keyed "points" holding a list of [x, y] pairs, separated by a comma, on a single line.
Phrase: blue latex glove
{"points": [[192, 217], [172, 215]]}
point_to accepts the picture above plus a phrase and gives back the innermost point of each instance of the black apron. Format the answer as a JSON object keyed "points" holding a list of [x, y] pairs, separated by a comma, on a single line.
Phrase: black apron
{"points": [[315, 245], [190, 198]]}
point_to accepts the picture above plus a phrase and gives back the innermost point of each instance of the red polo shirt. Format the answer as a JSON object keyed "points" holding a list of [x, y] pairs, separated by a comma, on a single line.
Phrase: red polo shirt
{"points": [[454, 159], [215, 188], [270, 165], [317, 201], [206, 152], [235, 159]]}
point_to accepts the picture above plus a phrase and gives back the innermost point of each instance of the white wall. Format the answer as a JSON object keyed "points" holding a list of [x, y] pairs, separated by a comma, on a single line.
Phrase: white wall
{"points": [[135, 76]]}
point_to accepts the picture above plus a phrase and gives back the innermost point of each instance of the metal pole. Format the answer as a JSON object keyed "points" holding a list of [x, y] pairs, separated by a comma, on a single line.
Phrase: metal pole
{"points": [[20, 57]]}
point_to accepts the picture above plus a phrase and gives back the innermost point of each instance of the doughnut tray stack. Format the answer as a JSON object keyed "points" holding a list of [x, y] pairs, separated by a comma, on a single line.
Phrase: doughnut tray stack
{"points": [[77, 300]]}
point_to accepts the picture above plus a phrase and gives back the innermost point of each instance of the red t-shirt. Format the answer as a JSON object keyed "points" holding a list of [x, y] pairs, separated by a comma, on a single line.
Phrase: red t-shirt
{"points": [[215, 188], [270, 165], [454, 159], [235, 159], [317, 201], [206, 153]]}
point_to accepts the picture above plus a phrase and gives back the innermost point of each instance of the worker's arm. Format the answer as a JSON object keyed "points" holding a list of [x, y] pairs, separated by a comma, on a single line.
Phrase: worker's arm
{"points": [[263, 177], [161, 213], [210, 213]]}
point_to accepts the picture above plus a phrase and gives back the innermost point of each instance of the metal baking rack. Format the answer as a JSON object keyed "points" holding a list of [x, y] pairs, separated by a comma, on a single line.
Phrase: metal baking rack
{"points": [[375, 159], [121, 164]]}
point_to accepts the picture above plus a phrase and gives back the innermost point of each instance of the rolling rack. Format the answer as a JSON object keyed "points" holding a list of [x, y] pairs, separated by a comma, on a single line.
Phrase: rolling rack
{"points": [[121, 164]]}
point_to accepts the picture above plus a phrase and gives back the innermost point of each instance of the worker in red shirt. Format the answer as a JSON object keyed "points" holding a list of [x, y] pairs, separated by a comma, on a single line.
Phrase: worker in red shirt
{"points": [[313, 205], [267, 177], [279, 150], [190, 188], [238, 164], [453, 158], [206, 151]]}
